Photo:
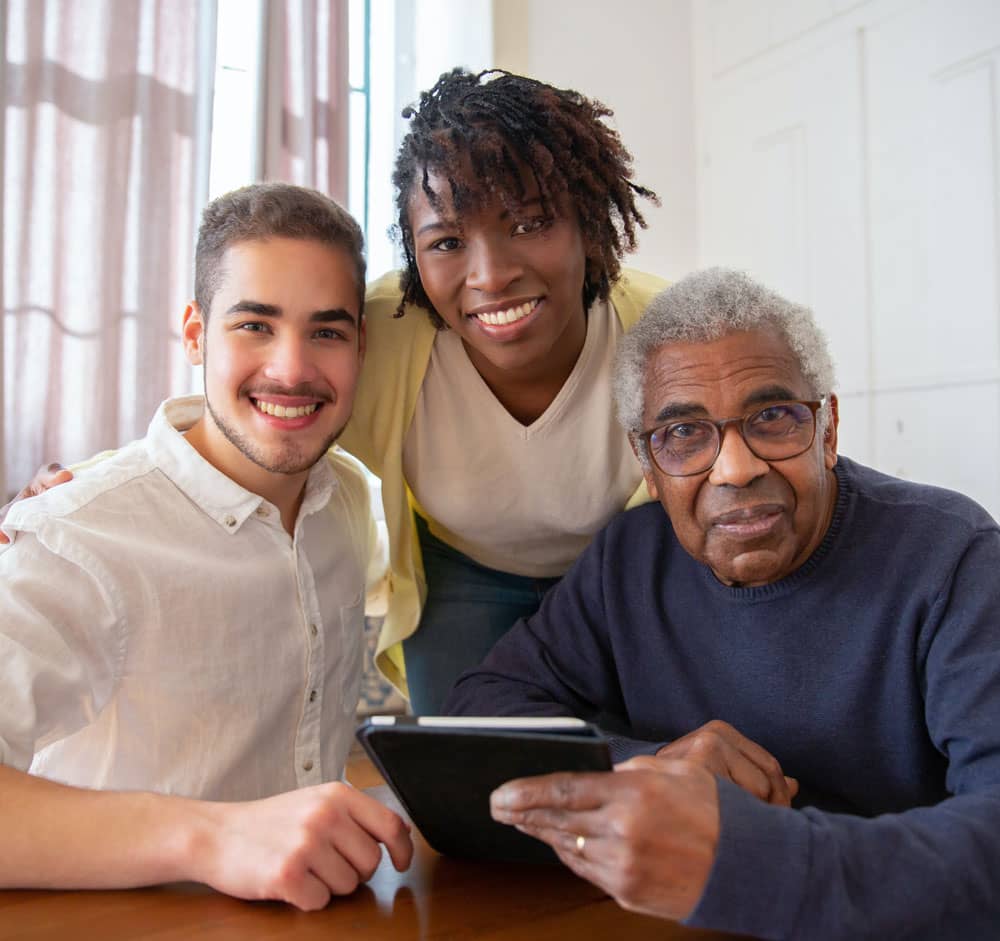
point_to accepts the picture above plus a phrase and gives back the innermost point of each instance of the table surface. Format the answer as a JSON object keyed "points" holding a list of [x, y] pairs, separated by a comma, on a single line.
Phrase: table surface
{"points": [[437, 897]]}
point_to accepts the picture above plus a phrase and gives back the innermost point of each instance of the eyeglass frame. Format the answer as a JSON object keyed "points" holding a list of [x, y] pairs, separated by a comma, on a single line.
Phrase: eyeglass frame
{"points": [[814, 405]]}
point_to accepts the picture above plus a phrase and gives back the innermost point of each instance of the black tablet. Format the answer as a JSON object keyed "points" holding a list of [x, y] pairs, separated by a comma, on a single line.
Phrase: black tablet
{"points": [[443, 770]]}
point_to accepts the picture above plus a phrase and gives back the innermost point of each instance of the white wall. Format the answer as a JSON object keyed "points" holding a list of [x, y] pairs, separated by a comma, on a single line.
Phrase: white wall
{"points": [[448, 33], [849, 155], [635, 56], [412, 43]]}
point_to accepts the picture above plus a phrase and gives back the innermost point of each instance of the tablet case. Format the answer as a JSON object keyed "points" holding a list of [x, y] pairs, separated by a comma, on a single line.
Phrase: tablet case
{"points": [[443, 778]]}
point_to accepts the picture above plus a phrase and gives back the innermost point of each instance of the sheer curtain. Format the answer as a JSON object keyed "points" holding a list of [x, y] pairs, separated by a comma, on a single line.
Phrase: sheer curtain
{"points": [[304, 100], [304, 97], [105, 166]]}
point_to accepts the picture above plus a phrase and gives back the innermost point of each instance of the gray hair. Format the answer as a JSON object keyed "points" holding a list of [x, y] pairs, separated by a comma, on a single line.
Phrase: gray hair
{"points": [[703, 307]]}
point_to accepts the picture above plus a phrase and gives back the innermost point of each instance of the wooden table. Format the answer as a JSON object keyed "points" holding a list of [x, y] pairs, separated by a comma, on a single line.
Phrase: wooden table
{"points": [[437, 897]]}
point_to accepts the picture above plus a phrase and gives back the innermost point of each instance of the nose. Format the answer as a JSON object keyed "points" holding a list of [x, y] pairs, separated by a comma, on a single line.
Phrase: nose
{"points": [[736, 465], [493, 265], [290, 362]]}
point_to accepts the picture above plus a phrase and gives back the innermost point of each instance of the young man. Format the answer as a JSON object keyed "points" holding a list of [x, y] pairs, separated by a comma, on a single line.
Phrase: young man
{"points": [[181, 626]]}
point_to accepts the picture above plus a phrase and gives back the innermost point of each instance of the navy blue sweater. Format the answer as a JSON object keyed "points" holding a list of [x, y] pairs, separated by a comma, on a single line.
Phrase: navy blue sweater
{"points": [[872, 674]]}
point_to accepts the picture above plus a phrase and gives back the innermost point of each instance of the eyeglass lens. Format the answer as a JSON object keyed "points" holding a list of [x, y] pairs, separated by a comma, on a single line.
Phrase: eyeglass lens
{"points": [[773, 433]]}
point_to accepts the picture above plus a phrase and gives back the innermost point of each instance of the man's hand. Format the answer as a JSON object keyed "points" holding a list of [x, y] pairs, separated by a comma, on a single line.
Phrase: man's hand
{"points": [[648, 837], [45, 477], [300, 847], [718, 747]]}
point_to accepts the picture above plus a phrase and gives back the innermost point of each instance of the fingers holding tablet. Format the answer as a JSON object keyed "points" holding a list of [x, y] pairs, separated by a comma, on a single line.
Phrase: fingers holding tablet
{"points": [[648, 838], [443, 770]]}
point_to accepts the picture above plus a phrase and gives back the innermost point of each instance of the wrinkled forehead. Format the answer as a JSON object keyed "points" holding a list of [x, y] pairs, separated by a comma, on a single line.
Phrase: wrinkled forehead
{"points": [[722, 375]]}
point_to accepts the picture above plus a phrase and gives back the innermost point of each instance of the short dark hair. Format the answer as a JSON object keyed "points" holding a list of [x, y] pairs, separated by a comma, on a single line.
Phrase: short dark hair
{"points": [[271, 210], [477, 130]]}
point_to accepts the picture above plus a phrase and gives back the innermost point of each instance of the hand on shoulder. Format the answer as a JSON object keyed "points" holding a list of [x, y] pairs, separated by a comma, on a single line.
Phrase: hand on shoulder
{"points": [[51, 475]]}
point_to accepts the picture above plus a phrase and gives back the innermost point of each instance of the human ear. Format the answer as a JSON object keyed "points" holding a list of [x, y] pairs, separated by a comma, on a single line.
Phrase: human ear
{"points": [[830, 434], [646, 472], [193, 334]]}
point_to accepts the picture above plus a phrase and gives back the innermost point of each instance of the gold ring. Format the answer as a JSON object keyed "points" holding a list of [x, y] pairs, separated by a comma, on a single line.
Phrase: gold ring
{"points": [[581, 842]]}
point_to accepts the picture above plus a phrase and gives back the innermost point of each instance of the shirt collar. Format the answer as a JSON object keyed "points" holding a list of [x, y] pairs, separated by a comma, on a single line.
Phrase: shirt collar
{"points": [[219, 496]]}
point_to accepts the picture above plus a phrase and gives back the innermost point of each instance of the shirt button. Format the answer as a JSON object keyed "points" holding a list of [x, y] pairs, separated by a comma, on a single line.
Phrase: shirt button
{"points": [[312, 695], [262, 511], [313, 629], [307, 766], [230, 521]]}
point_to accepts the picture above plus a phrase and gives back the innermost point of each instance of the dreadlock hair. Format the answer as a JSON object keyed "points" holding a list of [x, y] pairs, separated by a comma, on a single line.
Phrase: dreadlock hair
{"points": [[478, 131]]}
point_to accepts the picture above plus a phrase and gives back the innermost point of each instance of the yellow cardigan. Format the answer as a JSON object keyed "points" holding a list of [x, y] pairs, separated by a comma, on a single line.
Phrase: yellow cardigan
{"points": [[395, 364]]}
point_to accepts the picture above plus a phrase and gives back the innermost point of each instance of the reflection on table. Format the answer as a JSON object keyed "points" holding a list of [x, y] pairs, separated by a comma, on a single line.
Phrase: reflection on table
{"points": [[437, 897]]}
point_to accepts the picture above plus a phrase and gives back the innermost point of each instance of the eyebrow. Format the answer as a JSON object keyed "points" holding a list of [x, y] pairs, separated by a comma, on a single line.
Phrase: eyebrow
{"points": [[680, 410], [259, 309], [677, 410], [436, 226], [773, 393], [447, 222]]}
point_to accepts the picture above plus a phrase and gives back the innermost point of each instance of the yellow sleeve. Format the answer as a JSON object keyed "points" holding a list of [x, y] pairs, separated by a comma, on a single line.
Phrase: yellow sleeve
{"points": [[91, 461]]}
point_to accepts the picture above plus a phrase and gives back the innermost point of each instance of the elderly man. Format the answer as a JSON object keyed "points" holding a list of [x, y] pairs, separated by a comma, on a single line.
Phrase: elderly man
{"points": [[795, 613]]}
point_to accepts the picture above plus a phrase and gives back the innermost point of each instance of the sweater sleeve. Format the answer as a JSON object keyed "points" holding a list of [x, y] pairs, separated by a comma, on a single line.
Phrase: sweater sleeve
{"points": [[927, 872], [558, 662]]}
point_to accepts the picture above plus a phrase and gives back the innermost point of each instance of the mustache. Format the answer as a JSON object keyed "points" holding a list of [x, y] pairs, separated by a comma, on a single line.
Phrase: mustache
{"points": [[747, 512], [733, 502], [304, 390]]}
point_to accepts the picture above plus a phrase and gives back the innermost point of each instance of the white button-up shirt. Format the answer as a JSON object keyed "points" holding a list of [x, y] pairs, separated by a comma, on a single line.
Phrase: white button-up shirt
{"points": [[160, 630]]}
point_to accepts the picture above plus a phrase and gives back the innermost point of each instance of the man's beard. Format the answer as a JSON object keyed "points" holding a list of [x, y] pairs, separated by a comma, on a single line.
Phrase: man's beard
{"points": [[288, 460]]}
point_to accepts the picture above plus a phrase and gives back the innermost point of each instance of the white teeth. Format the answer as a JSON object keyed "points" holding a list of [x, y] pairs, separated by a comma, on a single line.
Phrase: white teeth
{"points": [[498, 317], [280, 411]]}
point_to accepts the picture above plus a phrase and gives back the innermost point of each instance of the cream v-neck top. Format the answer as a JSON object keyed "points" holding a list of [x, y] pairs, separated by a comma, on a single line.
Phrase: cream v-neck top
{"points": [[521, 499]]}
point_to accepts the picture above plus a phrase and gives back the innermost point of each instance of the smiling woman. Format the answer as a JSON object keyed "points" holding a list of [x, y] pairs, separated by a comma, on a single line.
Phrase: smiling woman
{"points": [[507, 282], [487, 412]]}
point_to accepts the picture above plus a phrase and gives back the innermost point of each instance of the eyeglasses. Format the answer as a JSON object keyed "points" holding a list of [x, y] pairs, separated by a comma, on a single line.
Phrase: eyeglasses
{"points": [[776, 432]]}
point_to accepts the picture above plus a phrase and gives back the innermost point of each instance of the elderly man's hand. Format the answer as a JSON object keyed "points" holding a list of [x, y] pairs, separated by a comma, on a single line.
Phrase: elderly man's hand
{"points": [[648, 838], [718, 747]]}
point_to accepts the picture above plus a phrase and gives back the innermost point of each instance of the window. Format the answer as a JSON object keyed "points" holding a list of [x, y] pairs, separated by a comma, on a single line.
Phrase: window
{"points": [[396, 48], [237, 83]]}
